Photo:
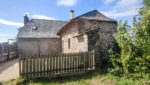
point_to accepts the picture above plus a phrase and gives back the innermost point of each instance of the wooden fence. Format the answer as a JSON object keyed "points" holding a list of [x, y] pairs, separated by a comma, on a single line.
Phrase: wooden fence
{"points": [[55, 64], [7, 52], [4, 56]]}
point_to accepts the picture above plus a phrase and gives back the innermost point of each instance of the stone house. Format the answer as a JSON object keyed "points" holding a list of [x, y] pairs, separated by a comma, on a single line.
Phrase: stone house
{"points": [[39, 36], [87, 32]]}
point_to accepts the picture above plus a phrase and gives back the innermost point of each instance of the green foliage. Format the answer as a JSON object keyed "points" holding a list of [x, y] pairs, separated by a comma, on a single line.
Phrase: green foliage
{"points": [[133, 59], [115, 60], [142, 40]]}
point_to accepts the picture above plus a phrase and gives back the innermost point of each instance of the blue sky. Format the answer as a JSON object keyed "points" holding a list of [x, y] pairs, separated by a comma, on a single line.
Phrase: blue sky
{"points": [[12, 11]]}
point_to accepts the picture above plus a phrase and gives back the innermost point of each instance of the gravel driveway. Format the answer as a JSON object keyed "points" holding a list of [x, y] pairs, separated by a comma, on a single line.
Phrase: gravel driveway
{"points": [[9, 70]]}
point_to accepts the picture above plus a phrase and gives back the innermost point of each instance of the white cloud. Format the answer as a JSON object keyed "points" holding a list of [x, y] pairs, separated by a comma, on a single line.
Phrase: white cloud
{"points": [[41, 17], [2, 21], [126, 4], [124, 8], [5, 35], [66, 2], [2, 40], [109, 1], [120, 14]]}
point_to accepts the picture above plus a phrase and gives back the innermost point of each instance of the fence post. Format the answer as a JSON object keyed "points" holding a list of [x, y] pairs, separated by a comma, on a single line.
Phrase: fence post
{"points": [[93, 52], [20, 65]]}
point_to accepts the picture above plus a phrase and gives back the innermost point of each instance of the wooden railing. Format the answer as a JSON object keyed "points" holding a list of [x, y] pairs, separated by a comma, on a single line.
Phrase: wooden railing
{"points": [[55, 64], [7, 52], [5, 57]]}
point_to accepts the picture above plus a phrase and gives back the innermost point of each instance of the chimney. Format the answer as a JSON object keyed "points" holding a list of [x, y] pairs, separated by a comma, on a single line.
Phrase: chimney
{"points": [[26, 19], [71, 14]]}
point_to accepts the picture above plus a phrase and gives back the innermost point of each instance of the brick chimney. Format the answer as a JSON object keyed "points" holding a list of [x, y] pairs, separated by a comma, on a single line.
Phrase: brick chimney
{"points": [[71, 14], [26, 19]]}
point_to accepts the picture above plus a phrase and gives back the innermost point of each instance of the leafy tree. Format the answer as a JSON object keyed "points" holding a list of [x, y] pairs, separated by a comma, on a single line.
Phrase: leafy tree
{"points": [[142, 40], [133, 59]]}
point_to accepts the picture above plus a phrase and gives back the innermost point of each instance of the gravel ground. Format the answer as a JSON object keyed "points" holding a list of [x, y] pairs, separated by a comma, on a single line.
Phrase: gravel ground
{"points": [[9, 70]]}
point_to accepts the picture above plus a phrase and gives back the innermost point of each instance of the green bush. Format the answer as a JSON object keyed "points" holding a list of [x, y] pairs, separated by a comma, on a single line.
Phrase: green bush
{"points": [[133, 43]]}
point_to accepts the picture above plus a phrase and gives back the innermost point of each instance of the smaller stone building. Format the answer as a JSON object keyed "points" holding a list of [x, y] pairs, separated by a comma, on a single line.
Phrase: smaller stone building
{"points": [[87, 32], [39, 36]]}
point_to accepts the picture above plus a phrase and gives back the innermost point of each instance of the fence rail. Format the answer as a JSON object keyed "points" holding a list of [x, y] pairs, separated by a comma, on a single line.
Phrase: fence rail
{"points": [[55, 64]]}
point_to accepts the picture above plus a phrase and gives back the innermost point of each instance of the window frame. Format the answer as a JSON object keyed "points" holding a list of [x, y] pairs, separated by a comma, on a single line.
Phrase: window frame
{"points": [[69, 43]]}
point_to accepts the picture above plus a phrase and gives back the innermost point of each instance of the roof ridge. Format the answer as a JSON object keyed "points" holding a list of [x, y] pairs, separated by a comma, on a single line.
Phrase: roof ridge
{"points": [[95, 14], [86, 13], [48, 20]]}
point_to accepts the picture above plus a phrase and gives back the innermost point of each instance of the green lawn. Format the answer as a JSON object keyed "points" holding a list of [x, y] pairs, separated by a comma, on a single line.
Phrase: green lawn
{"points": [[96, 77]]}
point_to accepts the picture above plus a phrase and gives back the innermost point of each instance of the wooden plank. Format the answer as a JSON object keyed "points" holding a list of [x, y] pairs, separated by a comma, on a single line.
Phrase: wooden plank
{"points": [[87, 61], [38, 65], [44, 66], [80, 57], [67, 65], [36, 59], [24, 65], [74, 62], [34, 65], [50, 63], [68, 69], [20, 66], [59, 65], [90, 60], [47, 65], [63, 63], [59, 56], [41, 65], [56, 66], [78, 62], [93, 59], [83, 62], [53, 64], [30, 65], [70, 60]]}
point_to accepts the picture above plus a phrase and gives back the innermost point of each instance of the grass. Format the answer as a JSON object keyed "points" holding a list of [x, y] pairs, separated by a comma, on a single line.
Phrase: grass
{"points": [[96, 77]]}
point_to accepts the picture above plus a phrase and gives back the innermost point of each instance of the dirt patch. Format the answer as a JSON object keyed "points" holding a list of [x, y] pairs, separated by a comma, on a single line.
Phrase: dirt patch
{"points": [[9, 70]]}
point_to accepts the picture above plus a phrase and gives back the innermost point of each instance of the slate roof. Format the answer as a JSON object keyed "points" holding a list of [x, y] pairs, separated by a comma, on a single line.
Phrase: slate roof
{"points": [[92, 15], [45, 29], [95, 15]]}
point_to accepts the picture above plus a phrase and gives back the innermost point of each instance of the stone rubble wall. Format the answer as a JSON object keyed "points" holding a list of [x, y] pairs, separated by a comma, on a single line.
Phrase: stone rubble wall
{"points": [[100, 37]]}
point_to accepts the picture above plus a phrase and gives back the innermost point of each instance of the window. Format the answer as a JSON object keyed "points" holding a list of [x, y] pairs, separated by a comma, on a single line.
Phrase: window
{"points": [[34, 28], [63, 46], [69, 43]]}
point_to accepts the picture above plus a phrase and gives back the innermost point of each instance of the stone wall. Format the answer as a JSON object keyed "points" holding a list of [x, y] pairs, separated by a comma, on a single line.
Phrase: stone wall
{"points": [[100, 37], [77, 42], [39, 46]]}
